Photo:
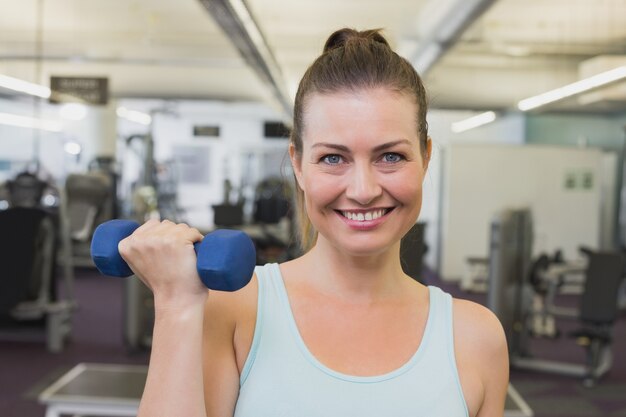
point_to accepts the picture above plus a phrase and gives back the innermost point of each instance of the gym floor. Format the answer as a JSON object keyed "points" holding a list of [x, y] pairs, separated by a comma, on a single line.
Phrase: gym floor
{"points": [[26, 368]]}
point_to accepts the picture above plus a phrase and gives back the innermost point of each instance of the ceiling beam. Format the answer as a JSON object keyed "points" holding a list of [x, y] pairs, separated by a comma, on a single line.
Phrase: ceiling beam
{"points": [[237, 22], [445, 27]]}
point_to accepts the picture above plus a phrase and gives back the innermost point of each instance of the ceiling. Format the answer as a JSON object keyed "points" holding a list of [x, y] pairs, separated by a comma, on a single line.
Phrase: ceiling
{"points": [[175, 49]]}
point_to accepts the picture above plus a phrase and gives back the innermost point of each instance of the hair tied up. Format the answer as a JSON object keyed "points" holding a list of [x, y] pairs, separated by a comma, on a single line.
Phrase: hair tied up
{"points": [[342, 36]]}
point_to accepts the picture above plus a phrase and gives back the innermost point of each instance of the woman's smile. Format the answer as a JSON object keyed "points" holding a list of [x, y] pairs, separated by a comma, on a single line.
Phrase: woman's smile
{"points": [[364, 219]]}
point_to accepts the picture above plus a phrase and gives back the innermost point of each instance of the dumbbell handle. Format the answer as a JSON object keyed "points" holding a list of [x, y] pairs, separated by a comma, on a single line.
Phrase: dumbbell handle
{"points": [[226, 258]]}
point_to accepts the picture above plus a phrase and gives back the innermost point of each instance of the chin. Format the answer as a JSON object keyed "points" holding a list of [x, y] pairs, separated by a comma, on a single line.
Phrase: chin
{"points": [[363, 247]]}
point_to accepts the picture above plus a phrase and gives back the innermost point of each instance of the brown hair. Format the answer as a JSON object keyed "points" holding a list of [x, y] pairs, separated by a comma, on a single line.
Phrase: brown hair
{"points": [[352, 61]]}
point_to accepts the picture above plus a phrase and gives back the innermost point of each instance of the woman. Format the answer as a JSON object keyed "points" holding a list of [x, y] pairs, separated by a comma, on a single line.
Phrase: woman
{"points": [[340, 330]]}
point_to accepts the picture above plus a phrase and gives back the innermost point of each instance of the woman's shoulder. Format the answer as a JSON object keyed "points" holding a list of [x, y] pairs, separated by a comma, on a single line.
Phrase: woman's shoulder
{"points": [[477, 326], [481, 356], [231, 307]]}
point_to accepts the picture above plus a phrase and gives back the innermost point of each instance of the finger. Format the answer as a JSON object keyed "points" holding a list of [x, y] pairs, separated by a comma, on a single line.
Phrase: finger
{"points": [[194, 235], [189, 233], [197, 236]]}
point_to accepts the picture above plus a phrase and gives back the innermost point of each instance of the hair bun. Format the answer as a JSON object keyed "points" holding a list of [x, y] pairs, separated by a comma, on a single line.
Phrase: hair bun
{"points": [[342, 36]]}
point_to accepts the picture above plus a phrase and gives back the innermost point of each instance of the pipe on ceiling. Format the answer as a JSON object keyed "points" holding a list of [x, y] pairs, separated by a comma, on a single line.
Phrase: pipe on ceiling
{"points": [[445, 30], [237, 22]]}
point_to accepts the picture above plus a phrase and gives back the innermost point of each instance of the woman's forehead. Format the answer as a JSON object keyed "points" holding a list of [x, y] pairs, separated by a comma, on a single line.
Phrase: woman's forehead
{"points": [[364, 113]]}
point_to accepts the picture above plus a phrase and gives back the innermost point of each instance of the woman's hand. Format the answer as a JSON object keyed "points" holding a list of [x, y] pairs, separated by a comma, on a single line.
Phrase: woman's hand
{"points": [[161, 254]]}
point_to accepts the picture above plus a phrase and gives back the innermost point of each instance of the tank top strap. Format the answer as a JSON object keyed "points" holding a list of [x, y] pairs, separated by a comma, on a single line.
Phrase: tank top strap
{"points": [[270, 299], [443, 336]]}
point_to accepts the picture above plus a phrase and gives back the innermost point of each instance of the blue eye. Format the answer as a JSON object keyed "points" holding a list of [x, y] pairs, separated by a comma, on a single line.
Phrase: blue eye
{"points": [[392, 157], [332, 159]]}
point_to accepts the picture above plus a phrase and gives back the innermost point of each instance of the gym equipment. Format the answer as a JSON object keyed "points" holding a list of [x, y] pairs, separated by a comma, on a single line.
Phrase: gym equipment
{"points": [[412, 251], [29, 306], [226, 258], [548, 276], [598, 311], [509, 254], [107, 166], [227, 215], [86, 199], [510, 291], [26, 190], [272, 201]]}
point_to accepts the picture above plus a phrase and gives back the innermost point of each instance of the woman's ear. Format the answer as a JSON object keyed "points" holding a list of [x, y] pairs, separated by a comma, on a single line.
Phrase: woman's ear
{"points": [[296, 164]]}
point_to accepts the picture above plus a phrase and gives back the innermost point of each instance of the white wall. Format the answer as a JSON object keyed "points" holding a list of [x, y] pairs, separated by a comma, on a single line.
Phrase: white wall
{"points": [[509, 128], [482, 180]]}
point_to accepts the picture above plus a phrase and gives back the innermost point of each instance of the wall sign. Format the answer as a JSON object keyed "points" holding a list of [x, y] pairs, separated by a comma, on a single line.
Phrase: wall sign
{"points": [[86, 90], [578, 179], [206, 131]]}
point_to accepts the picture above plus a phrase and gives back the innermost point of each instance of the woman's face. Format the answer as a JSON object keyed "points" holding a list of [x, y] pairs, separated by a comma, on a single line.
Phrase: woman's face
{"points": [[361, 168]]}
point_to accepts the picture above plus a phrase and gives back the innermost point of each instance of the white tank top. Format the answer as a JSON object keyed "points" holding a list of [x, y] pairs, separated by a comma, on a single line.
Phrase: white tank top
{"points": [[281, 378]]}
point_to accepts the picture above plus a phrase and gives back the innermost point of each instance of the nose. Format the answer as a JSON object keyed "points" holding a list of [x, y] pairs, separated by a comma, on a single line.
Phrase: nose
{"points": [[363, 185]]}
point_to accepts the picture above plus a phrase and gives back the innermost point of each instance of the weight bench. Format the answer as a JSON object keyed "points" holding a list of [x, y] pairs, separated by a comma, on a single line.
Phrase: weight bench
{"points": [[115, 390], [96, 390]]}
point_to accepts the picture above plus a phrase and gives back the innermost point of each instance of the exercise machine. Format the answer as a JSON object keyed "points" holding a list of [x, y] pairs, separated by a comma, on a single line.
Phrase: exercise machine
{"points": [[87, 203], [30, 308], [510, 298]]}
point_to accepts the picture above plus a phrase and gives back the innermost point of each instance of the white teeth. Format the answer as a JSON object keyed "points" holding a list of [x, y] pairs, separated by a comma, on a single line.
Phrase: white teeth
{"points": [[370, 215]]}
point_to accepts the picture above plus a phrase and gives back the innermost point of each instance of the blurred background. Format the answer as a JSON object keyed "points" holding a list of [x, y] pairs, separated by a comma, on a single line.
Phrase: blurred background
{"points": [[181, 109]]}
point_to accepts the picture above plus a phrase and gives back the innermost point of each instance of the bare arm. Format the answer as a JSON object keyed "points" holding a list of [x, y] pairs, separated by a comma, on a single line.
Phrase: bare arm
{"points": [[221, 375], [174, 384], [229, 324], [495, 370], [162, 256], [482, 358]]}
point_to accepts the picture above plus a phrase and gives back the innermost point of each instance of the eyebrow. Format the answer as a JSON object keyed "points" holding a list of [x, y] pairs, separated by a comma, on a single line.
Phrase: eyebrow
{"points": [[376, 149]]}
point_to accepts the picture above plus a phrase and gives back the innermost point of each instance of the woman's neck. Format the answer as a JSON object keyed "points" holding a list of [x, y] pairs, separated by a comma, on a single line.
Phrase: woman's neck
{"points": [[359, 278]]}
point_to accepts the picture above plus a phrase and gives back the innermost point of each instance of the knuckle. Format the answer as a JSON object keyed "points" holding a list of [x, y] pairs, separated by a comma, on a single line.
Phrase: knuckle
{"points": [[182, 226], [124, 247]]}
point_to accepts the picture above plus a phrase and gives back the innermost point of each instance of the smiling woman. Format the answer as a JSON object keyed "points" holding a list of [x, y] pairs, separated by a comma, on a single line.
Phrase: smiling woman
{"points": [[357, 62], [360, 157], [341, 330]]}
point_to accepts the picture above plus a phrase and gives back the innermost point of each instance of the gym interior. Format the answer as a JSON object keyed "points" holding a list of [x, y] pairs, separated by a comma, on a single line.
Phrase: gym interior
{"points": [[181, 110]]}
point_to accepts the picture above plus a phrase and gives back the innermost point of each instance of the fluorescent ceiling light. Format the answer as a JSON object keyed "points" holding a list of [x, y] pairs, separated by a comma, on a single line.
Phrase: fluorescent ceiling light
{"points": [[569, 90], [134, 116], [472, 122], [22, 86], [29, 122]]}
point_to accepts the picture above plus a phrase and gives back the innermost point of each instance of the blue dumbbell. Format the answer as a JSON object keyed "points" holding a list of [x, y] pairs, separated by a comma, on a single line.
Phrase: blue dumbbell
{"points": [[226, 258]]}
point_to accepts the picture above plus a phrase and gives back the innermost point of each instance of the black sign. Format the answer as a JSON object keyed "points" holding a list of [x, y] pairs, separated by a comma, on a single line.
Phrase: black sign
{"points": [[275, 130], [210, 131], [79, 90]]}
